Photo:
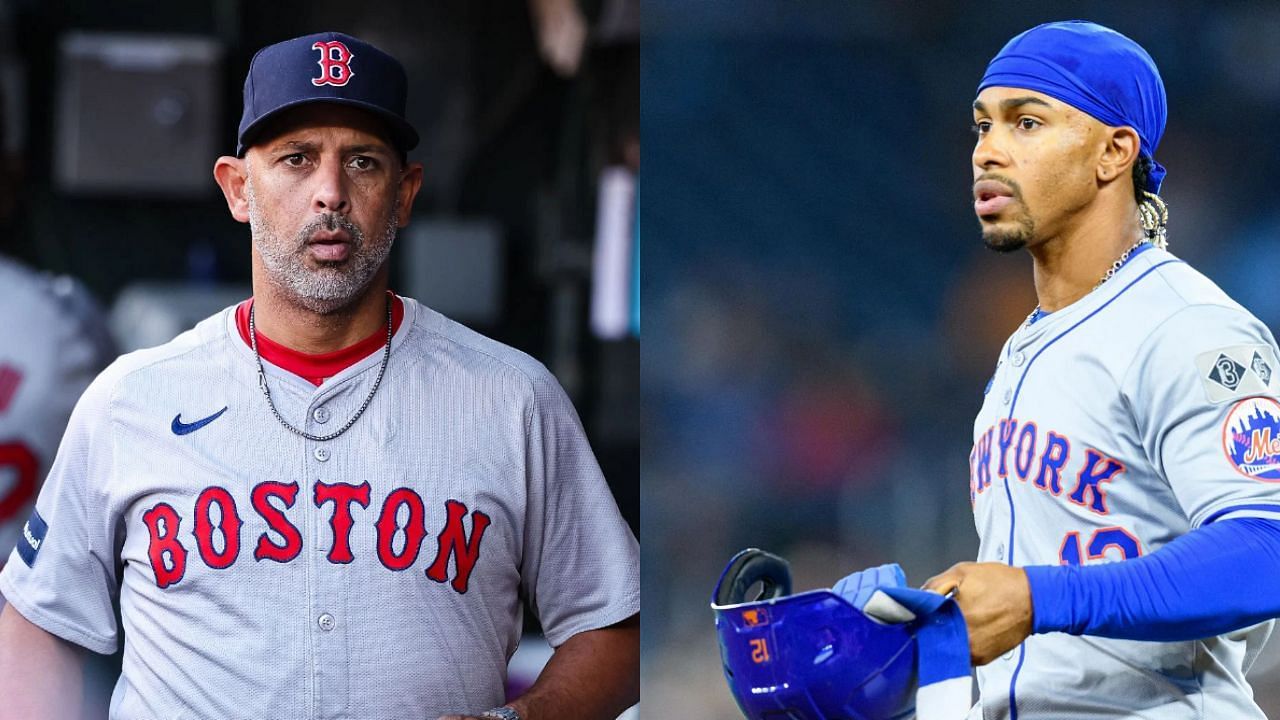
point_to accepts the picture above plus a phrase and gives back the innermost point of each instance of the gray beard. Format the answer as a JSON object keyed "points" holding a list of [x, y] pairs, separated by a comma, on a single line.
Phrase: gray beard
{"points": [[331, 286]]}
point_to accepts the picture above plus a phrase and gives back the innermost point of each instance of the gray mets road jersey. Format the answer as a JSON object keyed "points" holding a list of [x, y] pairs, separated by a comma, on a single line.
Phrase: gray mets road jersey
{"points": [[1111, 427], [375, 575], [52, 342]]}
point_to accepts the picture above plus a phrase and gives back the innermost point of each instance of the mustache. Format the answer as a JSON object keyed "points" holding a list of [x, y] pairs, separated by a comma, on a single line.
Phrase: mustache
{"points": [[1002, 179], [331, 221]]}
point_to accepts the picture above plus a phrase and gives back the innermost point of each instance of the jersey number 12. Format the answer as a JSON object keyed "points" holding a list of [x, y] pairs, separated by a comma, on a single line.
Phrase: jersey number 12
{"points": [[1100, 541]]}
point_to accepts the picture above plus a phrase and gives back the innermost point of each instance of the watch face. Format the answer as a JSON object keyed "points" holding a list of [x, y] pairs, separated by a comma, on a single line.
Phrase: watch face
{"points": [[503, 713]]}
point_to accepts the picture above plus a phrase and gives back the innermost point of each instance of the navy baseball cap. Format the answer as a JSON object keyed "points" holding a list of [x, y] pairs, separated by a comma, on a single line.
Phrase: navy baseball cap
{"points": [[330, 68]]}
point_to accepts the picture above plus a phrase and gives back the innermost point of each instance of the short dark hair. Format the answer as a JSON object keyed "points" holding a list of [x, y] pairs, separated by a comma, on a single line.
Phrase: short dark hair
{"points": [[1141, 173]]}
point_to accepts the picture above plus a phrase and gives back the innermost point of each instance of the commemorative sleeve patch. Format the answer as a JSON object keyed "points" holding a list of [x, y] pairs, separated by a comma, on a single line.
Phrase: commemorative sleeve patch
{"points": [[1237, 372], [33, 533]]}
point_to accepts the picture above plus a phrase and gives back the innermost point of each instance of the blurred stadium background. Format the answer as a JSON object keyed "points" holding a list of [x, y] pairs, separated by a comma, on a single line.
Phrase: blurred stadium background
{"points": [[824, 312], [525, 227]]}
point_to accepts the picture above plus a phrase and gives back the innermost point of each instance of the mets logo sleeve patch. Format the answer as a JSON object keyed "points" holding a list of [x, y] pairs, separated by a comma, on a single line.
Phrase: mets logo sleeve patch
{"points": [[1251, 438]]}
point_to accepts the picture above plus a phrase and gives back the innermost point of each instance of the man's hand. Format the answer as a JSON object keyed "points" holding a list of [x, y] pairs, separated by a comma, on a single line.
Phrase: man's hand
{"points": [[996, 602], [594, 675]]}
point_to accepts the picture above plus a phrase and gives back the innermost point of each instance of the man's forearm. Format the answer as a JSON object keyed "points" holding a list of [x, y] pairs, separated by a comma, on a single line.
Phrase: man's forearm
{"points": [[594, 675], [41, 675], [1213, 580]]}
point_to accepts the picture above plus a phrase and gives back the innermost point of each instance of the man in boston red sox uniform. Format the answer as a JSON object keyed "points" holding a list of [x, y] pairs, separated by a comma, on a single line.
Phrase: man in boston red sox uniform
{"points": [[328, 501]]}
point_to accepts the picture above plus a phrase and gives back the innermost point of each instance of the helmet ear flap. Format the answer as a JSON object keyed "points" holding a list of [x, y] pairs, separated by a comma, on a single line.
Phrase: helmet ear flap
{"points": [[746, 569]]}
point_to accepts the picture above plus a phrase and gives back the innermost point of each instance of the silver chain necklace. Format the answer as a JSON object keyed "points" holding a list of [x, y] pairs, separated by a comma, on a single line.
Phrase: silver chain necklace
{"points": [[262, 382], [1115, 267]]}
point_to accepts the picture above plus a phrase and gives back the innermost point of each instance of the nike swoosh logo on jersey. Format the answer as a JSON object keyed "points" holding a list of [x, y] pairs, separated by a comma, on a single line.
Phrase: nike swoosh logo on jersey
{"points": [[181, 428]]}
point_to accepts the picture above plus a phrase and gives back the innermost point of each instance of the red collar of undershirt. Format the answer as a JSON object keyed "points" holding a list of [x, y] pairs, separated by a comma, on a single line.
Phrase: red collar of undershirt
{"points": [[316, 368]]}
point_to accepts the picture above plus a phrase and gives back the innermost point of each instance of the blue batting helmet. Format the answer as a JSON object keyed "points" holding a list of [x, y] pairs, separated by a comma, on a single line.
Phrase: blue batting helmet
{"points": [[810, 656]]}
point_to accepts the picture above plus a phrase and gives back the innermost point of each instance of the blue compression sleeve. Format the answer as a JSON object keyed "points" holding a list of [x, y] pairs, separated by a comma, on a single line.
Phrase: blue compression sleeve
{"points": [[1215, 579]]}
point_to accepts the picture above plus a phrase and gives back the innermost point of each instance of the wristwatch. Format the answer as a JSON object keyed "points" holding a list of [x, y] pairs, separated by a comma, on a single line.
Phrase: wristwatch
{"points": [[502, 713]]}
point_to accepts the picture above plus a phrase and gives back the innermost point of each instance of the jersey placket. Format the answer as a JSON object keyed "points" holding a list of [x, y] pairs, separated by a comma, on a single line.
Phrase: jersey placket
{"points": [[1022, 349], [329, 619], [1009, 374]]}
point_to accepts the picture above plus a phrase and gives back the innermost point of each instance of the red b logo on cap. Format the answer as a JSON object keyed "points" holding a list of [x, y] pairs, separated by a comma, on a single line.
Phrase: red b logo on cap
{"points": [[335, 63]]}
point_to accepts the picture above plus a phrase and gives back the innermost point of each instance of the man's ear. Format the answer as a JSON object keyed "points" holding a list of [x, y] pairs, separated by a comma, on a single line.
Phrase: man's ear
{"points": [[1119, 154], [230, 173], [410, 183]]}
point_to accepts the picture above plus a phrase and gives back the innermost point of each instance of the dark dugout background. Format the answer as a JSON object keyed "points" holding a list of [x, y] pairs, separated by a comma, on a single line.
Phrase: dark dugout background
{"points": [[821, 314]]}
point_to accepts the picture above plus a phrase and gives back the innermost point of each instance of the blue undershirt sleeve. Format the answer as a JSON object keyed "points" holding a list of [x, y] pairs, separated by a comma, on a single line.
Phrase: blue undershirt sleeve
{"points": [[1215, 579]]}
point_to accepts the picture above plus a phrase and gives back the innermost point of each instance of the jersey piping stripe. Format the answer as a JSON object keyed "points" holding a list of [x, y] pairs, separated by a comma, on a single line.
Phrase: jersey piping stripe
{"points": [[1237, 508], [1013, 404], [1013, 682]]}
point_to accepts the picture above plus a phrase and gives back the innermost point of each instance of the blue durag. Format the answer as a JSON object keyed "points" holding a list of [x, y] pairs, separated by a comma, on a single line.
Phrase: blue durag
{"points": [[1094, 69]]}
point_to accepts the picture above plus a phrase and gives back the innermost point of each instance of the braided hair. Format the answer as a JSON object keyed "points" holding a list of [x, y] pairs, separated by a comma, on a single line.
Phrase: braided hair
{"points": [[1152, 211]]}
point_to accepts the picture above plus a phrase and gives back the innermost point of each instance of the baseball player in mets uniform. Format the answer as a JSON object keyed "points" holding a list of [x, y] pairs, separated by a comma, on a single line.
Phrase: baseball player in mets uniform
{"points": [[53, 341], [1125, 474], [328, 501]]}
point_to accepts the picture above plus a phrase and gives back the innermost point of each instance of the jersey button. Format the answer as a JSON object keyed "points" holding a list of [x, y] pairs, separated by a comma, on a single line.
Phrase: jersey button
{"points": [[1000, 552], [1008, 395], [321, 415], [321, 454], [1018, 359], [326, 622]]}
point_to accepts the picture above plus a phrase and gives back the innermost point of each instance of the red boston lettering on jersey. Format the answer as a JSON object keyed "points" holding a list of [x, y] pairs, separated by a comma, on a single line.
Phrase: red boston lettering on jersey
{"points": [[266, 549], [164, 541], [342, 495], [335, 63], [415, 529], [453, 542], [456, 547], [230, 527]]}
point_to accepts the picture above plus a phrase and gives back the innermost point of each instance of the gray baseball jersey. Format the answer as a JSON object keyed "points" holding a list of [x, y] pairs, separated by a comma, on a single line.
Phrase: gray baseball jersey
{"points": [[53, 341], [375, 575], [1110, 428]]}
